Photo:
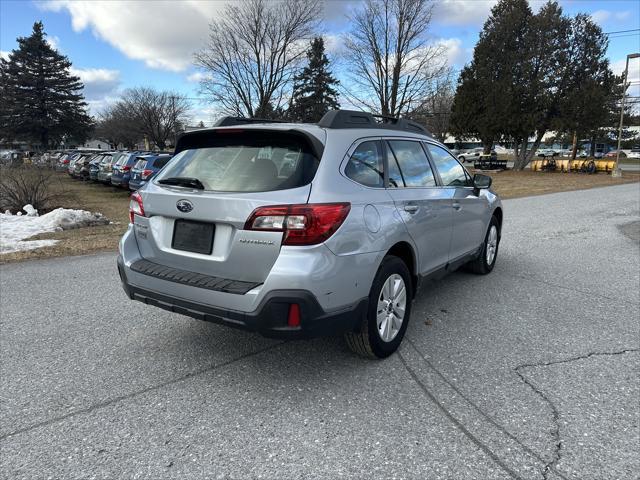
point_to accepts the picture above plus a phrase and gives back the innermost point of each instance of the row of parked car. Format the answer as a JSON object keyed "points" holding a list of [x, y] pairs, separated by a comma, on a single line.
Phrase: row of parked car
{"points": [[128, 170]]}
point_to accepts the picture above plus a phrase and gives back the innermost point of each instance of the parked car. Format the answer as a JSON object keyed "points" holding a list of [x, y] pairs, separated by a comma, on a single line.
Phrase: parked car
{"points": [[470, 155], [145, 168], [94, 166], [546, 153], [122, 169], [72, 164], [106, 166], [613, 154], [81, 166], [230, 232], [62, 163]]}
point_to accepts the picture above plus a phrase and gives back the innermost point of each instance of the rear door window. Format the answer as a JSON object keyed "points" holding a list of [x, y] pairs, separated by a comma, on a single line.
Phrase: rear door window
{"points": [[247, 161], [366, 165], [413, 163], [451, 172]]}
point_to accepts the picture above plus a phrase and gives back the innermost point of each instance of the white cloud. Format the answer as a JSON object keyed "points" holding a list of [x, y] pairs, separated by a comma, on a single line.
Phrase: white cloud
{"points": [[332, 43], [4, 54], [197, 77], [98, 82], [54, 41], [633, 76], [162, 34], [456, 55], [602, 16], [463, 12]]}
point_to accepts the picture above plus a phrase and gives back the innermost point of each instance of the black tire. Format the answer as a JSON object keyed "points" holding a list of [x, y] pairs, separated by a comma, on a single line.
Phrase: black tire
{"points": [[480, 265], [367, 341], [462, 159]]}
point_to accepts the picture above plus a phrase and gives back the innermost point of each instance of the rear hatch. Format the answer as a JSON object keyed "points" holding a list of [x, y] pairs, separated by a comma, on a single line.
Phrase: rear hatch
{"points": [[196, 208]]}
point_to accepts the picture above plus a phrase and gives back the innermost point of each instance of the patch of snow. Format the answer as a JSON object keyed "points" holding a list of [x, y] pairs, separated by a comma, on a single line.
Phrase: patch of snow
{"points": [[15, 228]]}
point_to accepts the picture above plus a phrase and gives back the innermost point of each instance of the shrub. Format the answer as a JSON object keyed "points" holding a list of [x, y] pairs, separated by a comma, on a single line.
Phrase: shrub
{"points": [[24, 185]]}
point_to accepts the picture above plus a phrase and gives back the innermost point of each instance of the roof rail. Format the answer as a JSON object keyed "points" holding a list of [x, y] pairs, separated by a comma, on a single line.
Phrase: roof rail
{"points": [[356, 119], [230, 121]]}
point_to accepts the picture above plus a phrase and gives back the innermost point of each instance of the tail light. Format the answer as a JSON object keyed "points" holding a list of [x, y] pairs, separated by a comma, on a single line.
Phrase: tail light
{"points": [[145, 173], [135, 206], [305, 224], [126, 168], [66, 162]]}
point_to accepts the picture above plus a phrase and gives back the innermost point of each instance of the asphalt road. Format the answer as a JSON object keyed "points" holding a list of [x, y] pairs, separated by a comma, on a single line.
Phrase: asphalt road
{"points": [[530, 372]]}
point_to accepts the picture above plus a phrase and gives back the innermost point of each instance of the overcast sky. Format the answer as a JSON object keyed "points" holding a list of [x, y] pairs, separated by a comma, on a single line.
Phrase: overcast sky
{"points": [[118, 44]]}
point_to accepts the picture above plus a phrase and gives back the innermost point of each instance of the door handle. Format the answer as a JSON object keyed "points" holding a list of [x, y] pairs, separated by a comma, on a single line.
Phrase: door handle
{"points": [[411, 208], [456, 206]]}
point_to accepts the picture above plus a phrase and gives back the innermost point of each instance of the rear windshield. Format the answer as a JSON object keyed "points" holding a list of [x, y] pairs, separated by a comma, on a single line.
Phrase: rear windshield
{"points": [[161, 162], [122, 159], [247, 161], [140, 164]]}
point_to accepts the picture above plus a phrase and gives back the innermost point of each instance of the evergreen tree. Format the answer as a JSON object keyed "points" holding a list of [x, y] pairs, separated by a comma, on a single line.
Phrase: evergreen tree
{"points": [[491, 100], [313, 92], [42, 101], [532, 73]]}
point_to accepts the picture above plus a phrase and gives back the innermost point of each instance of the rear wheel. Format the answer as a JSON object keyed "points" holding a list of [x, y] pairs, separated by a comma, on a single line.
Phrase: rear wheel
{"points": [[462, 159], [487, 258], [388, 312]]}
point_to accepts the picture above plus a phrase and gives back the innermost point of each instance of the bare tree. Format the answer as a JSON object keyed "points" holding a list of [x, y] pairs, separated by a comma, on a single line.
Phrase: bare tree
{"points": [[253, 51], [435, 110], [117, 126], [157, 115], [392, 67]]}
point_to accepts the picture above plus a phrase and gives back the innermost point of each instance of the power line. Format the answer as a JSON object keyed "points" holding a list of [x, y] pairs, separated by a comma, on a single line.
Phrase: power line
{"points": [[627, 35], [623, 31]]}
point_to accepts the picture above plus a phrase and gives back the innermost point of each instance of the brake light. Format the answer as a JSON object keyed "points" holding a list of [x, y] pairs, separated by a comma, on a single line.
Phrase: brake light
{"points": [[305, 224], [145, 173], [135, 206], [126, 168]]}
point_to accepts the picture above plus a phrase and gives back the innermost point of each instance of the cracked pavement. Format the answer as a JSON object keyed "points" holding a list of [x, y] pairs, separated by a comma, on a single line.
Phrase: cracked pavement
{"points": [[531, 372]]}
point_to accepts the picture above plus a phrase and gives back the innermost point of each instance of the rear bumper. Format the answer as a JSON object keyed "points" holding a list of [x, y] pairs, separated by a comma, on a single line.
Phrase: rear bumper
{"points": [[136, 184], [268, 319], [121, 180]]}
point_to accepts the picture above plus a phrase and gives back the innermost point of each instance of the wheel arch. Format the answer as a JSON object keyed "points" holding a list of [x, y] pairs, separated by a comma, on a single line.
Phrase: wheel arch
{"points": [[404, 251], [498, 214]]}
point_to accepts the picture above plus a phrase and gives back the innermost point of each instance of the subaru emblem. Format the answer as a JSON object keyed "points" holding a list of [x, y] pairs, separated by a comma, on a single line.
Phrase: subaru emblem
{"points": [[185, 206]]}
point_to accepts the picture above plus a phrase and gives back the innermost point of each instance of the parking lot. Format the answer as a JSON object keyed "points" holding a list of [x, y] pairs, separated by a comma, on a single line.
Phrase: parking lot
{"points": [[530, 372]]}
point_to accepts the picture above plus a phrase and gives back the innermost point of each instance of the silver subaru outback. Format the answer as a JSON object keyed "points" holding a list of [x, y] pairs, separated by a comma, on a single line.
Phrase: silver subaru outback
{"points": [[299, 230]]}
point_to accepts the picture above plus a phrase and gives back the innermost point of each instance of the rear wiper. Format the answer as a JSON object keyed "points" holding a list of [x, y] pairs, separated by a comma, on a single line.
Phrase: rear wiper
{"points": [[183, 182]]}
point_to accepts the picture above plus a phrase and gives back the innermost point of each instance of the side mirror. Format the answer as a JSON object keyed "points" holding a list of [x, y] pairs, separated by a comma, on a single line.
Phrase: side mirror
{"points": [[481, 182]]}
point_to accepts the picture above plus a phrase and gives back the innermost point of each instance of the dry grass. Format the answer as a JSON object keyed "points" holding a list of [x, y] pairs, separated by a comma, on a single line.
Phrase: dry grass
{"points": [[114, 204], [510, 184]]}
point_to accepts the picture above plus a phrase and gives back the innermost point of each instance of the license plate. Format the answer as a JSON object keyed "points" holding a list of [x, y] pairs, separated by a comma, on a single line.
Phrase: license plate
{"points": [[193, 236]]}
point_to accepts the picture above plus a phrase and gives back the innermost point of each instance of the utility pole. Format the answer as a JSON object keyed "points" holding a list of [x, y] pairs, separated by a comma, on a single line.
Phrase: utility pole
{"points": [[617, 172]]}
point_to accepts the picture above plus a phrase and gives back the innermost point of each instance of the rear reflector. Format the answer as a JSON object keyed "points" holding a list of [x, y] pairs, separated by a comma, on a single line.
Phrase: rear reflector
{"points": [[304, 224], [294, 315]]}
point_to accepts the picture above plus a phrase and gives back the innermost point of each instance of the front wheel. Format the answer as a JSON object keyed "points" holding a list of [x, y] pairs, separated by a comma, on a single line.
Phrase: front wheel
{"points": [[487, 259], [388, 312]]}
